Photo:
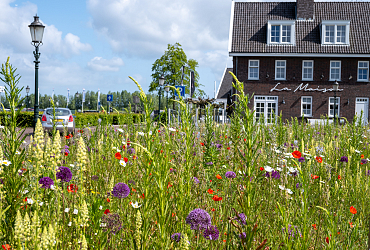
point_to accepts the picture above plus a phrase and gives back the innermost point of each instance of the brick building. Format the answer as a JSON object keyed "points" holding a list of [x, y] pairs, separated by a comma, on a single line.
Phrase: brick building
{"points": [[289, 54]]}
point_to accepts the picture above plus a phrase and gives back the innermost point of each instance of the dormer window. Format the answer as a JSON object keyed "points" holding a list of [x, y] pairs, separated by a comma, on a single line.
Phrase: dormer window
{"points": [[335, 32], [281, 32]]}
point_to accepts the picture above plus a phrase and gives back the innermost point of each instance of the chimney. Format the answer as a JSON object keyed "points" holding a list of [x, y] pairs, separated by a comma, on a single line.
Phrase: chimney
{"points": [[304, 9]]}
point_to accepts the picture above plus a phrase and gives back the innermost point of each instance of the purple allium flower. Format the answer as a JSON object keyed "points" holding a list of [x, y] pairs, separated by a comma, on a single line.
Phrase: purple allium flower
{"points": [[301, 159], [113, 222], [46, 182], [363, 161], [66, 147], [344, 159], [198, 219], [298, 185], [64, 174], [176, 237], [242, 219], [196, 180], [211, 233], [209, 163], [230, 175], [131, 150], [219, 146], [121, 190], [368, 173], [194, 153], [291, 231], [267, 174], [243, 235], [275, 174]]}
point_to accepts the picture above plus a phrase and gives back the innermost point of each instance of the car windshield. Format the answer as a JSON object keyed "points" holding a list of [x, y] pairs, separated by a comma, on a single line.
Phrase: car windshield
{"points": [[58, 112]]}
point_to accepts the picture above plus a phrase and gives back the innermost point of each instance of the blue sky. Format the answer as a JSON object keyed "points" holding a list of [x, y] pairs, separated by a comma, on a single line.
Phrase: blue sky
{"points": [[99, 43]]}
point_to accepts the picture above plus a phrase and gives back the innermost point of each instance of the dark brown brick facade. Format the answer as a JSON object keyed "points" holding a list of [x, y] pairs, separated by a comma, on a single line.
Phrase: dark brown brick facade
{"points": [[320, 101]]}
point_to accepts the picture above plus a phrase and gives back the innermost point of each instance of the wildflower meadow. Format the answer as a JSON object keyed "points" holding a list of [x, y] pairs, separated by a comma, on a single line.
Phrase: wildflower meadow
{"points": [[243, 185]]}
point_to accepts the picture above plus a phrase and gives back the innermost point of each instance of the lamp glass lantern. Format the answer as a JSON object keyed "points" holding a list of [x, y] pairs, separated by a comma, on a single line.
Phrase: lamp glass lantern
{"points": [[37, 31], [167, 88], [161, 80], [335, 86], [27, 89]]}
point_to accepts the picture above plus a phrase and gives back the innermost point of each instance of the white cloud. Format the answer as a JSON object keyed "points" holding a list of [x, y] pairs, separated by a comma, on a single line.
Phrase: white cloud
{"points": [[101, 64], [144, 28], [15, 33]]}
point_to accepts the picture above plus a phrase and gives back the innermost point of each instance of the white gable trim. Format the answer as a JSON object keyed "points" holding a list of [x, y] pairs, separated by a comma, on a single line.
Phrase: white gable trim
{"points": [[231, 25]]}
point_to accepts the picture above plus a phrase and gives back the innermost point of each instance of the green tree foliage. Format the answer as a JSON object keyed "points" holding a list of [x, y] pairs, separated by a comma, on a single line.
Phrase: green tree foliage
{"points": [[169, 65]]}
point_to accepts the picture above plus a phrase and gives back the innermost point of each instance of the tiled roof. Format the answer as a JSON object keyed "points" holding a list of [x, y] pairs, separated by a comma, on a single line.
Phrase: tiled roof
{"points": [[226, 84], [249, 33]]}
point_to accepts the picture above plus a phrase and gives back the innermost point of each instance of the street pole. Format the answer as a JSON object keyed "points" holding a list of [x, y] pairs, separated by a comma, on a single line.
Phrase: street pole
{"points": [[159, 106], [335, 104], [36, 111]]}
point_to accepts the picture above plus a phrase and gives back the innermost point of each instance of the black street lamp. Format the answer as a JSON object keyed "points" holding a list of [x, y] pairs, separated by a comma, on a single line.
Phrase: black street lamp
{"points": [[37, 31], [335, 88], [77, 95], [27, 91], [161, 82], [167, 88]]}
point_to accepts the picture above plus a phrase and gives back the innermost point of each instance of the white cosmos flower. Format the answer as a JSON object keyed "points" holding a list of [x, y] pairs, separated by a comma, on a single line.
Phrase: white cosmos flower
{"points": [[101, 207], [75, 211], [279, 169], [140, 133], [172, 129], [281, 187], [71, 165], [70, 223], [289, 191], [357, 151], [269, 169], [29, 201], [66, 210], [135, 205], [120, 130], [277, 151], [292, 170], [122, 163]]}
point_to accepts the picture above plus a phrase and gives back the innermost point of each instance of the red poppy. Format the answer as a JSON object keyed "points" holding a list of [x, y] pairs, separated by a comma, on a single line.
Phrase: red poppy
{"points": [[128, 143], [106, 211], [297, 154], [118, 156], [245, 139], [134, 157], [213, 209], [108, 200], [70, 135], [65, 153], [228, 148], [314, 177], [216, 198], [6, 247], [327, 240], [362, 156], [318, 159], [353, 210], [261, 168], [67, 136], [339, 177], [351, 224], [72, 188], [202, 143], [314, 226], [125, 159], [169, 185], [218, 177], [210, 191]]}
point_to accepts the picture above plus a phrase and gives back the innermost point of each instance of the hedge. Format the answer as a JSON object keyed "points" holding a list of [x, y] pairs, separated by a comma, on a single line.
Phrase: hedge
{"points": [[25, 119]]}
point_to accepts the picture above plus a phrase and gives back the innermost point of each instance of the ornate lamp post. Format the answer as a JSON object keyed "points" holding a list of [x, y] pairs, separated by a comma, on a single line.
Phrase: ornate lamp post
{"points": [[167, 88], [335, 88], [161, 82], [37, 32], [27, 101], [77, 95]]}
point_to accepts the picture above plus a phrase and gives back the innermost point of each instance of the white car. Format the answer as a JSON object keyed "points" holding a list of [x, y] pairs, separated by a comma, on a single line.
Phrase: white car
{"points": [[63, 117]]}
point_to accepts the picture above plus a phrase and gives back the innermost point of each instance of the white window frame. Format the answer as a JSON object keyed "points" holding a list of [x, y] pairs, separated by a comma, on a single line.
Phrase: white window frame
{"points": [[302, 103], [303, 67], [338, 105], [340, 70], [249, 69], [358, 71], [266, 100], [335, 24], [276, 67], [281, 23]]}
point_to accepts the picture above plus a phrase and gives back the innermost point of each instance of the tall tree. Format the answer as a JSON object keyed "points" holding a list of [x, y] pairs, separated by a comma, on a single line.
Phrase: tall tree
{"points": [[169, 65]]}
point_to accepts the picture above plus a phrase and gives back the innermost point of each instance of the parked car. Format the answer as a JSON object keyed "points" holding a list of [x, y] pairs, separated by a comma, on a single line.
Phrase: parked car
{"points": [[63, 117]]}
